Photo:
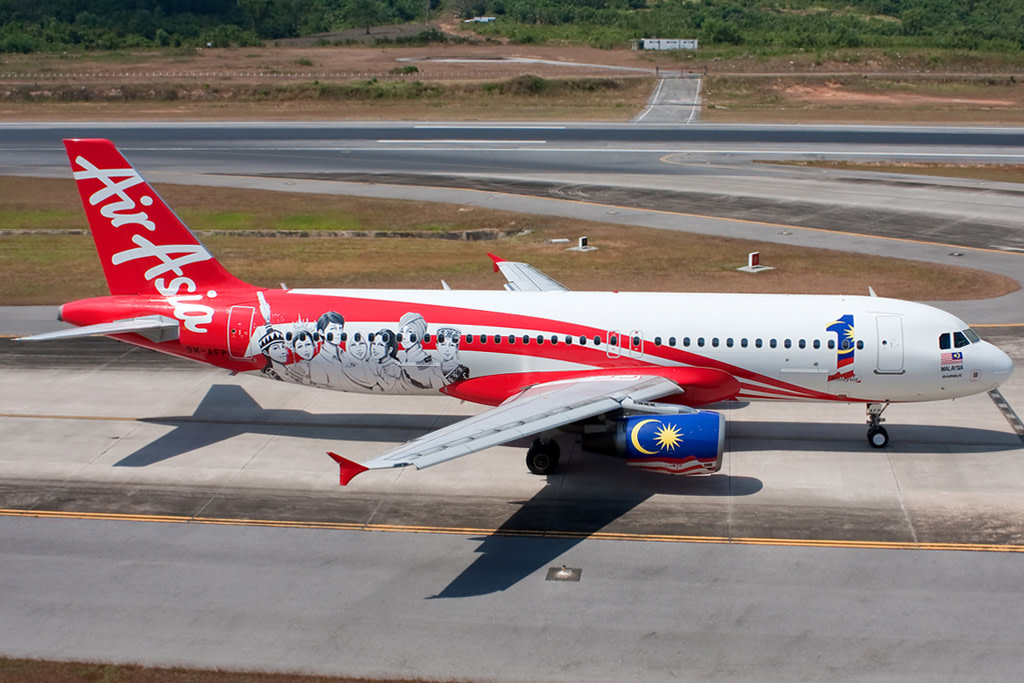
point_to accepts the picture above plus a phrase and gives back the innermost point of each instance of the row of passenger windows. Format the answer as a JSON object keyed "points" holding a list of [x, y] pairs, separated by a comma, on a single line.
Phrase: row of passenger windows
{"points": [[699, 342]]}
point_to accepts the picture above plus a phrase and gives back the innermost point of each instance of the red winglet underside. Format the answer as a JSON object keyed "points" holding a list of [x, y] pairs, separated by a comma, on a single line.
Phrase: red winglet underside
{"points": [[496, 259], [348, 468]]}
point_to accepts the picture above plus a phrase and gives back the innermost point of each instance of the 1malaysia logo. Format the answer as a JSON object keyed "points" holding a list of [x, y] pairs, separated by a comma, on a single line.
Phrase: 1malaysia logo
{"points": [[117, 206]]}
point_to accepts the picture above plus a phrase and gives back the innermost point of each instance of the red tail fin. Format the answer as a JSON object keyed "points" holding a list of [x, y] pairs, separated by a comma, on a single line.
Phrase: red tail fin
{"points": [[143, 246]]}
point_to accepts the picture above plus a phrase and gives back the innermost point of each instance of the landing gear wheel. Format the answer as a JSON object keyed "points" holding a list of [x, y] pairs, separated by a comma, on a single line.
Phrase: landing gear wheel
{"points": [[542, 457], [877, 436]]}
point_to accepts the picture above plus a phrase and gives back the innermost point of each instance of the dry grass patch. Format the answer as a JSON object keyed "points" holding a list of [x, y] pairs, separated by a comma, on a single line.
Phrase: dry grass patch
{"points": [[33, 671], [49, 269], [857, 98]]}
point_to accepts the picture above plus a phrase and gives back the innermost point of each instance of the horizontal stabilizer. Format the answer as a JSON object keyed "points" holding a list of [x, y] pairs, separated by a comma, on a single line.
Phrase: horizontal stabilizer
{"points": [[522, 277], [154, 327]]}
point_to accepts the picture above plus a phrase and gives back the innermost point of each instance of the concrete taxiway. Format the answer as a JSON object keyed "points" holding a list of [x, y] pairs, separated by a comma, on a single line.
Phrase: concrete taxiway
{"points": [[159, 512]]}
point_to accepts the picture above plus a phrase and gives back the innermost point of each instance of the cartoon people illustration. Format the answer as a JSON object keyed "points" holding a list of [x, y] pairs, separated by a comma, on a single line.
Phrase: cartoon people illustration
{"points": [[272, 346], [384, 360], [305, 348], [420, 370], [355, 362], [448, 339], [326, 368]]}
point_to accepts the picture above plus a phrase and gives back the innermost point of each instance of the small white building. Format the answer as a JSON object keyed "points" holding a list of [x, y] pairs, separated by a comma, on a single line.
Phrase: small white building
{"points": [[665, 44]]}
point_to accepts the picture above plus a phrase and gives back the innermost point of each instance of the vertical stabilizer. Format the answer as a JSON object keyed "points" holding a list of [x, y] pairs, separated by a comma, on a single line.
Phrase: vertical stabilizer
{"points": [[143, 246]]}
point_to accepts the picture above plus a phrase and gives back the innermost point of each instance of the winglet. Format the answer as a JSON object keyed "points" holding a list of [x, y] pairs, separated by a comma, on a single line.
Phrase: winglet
{"points": [[348, 468], [496, 259]]}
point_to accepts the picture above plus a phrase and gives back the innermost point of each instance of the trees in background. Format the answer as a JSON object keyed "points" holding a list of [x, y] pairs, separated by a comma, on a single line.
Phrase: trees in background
{"points": [[759, 25]]}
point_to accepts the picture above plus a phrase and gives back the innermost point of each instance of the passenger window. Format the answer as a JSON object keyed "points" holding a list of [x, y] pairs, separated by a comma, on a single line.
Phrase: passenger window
{"points": [[497, 339], [817, 343], [657, 341], [686, 341], [369, 337], [344, 336], [787, 343], [714, 342], [831, 343], [728, 342], [426, 338], [597, 341], [959, 340], [845, 346], [526, 339], [860, 344], [568, 339], [483, 338], [743, 342], [758, 343], [772, 343], [540, 339], [358, 336], [671, 341], [469, 338], [700, 341], [583, 340], [803, 344], [554, 339], [636, 341]]}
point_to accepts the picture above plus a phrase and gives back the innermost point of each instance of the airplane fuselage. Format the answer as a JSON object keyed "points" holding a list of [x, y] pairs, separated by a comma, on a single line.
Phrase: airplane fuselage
{"points": [[777, 347]]}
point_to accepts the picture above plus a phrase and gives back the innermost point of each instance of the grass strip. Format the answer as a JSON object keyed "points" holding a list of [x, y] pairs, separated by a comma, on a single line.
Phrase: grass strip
{"points": [[53, 268]]}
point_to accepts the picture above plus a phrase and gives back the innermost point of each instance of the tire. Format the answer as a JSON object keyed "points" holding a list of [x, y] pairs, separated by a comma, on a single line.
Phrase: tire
{"points": [[542, 457], [878, 437]]}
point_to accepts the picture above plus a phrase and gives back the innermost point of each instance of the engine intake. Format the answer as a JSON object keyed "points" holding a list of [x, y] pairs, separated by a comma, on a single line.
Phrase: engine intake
{"points": [[690, 443]]}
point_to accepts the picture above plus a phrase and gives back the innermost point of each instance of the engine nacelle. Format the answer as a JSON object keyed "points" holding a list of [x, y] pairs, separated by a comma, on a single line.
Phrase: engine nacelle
{"points": [[689, 443]]}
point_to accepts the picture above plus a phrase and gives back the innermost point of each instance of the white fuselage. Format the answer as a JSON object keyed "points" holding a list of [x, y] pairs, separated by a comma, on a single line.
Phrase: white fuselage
{"points": [[795, 347]]}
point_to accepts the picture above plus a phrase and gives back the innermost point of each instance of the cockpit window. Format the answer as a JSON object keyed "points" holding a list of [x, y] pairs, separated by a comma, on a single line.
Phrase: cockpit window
{"points": [[944, 341], [972, 335], [960, 340]]}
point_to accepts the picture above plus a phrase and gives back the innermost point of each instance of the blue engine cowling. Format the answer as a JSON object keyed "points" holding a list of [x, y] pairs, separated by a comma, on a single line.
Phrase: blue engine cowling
{"points": [[689, 443]]}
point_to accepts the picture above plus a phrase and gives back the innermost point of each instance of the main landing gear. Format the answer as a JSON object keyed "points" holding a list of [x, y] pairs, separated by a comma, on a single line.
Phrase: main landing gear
{"points": [[877, 436], [542, 457]]}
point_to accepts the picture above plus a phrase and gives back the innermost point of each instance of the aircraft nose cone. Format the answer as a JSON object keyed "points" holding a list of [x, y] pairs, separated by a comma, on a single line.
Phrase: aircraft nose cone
{"points": [[1002, 364]]}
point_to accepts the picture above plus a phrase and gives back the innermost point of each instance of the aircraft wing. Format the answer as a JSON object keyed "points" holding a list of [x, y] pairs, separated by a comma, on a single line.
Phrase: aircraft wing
{"points": [[537, 409], [522, 277], [154, 327]]}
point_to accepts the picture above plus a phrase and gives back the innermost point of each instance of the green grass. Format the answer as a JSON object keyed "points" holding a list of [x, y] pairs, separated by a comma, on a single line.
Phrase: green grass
{"points": [[41, 219]]}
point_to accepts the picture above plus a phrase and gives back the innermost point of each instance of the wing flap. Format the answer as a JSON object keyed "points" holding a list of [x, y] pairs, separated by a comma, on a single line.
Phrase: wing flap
{"points": [[537, 409]]}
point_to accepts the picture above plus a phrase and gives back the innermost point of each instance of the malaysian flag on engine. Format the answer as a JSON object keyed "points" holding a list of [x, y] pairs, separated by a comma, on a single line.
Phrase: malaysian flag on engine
{"points": [[954, 357]]}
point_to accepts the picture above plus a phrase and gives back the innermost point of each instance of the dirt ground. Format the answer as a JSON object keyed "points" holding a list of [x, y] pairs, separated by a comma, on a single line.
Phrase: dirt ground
{"points": [[250, 83]]}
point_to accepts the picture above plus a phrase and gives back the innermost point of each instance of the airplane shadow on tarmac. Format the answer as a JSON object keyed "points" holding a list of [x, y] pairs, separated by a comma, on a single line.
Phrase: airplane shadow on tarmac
{"points": [[228, 410], [590, 494]]}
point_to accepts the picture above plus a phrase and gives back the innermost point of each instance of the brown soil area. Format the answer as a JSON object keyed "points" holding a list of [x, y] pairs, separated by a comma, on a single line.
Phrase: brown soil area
{"points": [[247, 83]]}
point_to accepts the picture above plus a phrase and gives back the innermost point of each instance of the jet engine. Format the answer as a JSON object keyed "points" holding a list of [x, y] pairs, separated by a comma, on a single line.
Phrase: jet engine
{"points": [[688, 443]]}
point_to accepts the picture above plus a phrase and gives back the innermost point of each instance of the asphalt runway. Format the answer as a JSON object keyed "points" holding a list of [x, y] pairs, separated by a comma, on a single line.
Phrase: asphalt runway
{"points": [[161, 512]]}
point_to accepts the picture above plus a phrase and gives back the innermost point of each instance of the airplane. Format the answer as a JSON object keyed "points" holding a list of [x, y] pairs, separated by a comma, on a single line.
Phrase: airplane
{"points": [[632, 373]]}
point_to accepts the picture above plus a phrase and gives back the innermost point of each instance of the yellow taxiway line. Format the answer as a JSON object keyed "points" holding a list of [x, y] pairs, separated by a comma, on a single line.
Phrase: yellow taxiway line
{"points": [[470, 531]]}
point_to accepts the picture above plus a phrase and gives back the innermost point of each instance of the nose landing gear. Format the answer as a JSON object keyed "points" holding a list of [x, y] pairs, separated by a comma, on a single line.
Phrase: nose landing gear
{"points": [[877, 436]]}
